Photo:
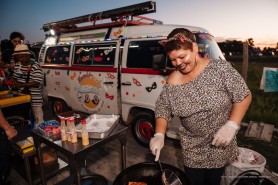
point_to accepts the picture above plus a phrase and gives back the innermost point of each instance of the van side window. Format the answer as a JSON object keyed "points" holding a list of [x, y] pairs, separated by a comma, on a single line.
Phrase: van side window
{"points": [[140, 53], [57, 55], [95, 54]]}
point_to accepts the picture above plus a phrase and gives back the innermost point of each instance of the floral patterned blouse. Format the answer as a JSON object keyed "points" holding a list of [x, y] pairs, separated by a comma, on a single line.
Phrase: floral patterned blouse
{"points": [[203, 105]]}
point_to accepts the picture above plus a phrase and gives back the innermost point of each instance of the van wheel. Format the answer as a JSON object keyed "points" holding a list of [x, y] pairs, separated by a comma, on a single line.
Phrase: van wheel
{"points": [[59, 106], [143, 128]]}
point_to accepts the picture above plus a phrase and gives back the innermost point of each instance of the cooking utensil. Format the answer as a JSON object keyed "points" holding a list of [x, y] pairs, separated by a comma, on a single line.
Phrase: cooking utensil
{"points": [[168, 176], [160, 165], [150, 173]]}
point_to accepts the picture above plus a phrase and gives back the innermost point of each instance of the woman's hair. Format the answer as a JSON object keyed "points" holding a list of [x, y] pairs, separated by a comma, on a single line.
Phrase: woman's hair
{"points": [[17, 34], [179, 38]]}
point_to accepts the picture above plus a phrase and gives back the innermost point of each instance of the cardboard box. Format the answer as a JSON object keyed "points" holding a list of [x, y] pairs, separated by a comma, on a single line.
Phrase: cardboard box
{"points": [[49, 156], [25, 144]]}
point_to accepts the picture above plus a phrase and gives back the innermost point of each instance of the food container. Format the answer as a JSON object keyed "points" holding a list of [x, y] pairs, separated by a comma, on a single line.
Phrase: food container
{"points": [[256, 161], [49, 128], [99, 125]]}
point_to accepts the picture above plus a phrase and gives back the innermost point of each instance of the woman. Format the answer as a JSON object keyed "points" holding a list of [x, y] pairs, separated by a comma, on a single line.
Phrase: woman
{"points": [[211, 98]]}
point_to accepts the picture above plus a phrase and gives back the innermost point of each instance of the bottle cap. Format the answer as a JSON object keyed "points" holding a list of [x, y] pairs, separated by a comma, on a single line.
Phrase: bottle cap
{"points": [[83, 121], [62, 118]]}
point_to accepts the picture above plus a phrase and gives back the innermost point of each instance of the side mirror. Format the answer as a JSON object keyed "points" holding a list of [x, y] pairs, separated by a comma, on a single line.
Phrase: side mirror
{"points": [[159, 62]]}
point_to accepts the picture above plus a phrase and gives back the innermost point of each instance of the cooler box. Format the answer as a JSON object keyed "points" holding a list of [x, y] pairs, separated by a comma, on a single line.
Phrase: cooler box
{"points": [[13, 103]]}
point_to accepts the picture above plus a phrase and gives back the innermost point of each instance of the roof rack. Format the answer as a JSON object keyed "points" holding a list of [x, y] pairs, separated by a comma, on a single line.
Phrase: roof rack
{"points": [[129, 15]]}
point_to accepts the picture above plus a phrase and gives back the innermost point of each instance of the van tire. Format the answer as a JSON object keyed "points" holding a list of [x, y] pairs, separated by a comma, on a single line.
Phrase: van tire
{"points": [[59, 106], [143, 128]]}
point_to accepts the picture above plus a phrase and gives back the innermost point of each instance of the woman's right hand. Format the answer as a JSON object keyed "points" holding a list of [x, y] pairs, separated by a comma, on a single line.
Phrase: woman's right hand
{"points": [[11, 133], [156, 144]]}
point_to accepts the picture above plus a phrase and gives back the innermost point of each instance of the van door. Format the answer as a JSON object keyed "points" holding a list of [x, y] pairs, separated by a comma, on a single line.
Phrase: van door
{"points": [[55, 68], [140, 86], [93, 77]]}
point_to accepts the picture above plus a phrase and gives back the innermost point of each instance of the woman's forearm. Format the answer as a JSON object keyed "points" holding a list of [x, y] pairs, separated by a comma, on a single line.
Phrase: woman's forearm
{"points": [[239, 109], [161, 125]]}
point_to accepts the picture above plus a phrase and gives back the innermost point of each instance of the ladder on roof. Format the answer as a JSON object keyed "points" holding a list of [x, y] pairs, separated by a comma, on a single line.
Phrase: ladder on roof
{"points": [[129, 15]]}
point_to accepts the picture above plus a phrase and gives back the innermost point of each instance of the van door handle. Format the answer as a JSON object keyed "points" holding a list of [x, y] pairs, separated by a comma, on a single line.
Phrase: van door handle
{"points": [[126, 83], [108, 83]]}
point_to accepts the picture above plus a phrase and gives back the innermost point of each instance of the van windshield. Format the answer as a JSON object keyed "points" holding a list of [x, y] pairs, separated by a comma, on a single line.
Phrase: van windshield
{"points": [[208, 47]]}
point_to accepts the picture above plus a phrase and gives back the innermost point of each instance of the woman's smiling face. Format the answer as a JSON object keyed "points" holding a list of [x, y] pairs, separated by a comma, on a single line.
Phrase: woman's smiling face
{"points": [[183, 60]]}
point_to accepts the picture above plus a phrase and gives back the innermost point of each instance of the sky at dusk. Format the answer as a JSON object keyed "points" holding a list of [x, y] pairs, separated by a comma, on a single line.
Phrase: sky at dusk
{"points": [[225, 19]]}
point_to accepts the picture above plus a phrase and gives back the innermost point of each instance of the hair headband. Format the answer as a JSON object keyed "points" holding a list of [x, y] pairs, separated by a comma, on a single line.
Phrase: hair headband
{"points": [[179, 36]]}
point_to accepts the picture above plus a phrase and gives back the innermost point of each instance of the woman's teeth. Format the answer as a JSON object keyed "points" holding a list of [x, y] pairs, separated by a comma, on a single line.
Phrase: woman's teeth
{"points": [[182, 66]]}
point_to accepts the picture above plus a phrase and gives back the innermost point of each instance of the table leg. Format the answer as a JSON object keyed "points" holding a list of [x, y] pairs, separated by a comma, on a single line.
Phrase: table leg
{"points": [[75, 170], [37, 144], [28, 170], [123, 141]]}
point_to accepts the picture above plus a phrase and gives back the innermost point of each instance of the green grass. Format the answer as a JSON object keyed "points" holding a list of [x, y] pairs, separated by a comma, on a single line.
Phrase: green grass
{"points": [[264, 108]]}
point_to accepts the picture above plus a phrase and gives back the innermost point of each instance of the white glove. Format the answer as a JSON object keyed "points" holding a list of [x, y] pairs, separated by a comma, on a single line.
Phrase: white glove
{"points": [[156, 144], [225, 134]]}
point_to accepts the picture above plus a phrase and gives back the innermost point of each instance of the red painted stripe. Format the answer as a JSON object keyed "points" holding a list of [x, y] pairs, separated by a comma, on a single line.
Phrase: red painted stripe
{"points": [[109, 69], [145, 71], [81, 68]]}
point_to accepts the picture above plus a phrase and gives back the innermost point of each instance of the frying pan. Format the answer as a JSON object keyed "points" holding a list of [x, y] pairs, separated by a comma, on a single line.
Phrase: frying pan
{"points": [[149, 173]]}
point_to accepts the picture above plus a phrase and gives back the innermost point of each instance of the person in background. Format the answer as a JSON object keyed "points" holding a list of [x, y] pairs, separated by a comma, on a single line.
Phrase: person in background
{"points": [[6, 133], [211, 98], [2, 75], [28, 78], [7, 49]]}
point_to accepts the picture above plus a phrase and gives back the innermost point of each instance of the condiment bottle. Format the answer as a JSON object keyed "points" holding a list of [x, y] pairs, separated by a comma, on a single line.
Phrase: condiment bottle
{"points": [[63, 129], [84, 133], [73, 132], [68, 129]]}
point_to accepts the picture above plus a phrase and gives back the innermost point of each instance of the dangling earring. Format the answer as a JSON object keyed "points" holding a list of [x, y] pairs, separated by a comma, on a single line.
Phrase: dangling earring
{"points": [[196, 59]]}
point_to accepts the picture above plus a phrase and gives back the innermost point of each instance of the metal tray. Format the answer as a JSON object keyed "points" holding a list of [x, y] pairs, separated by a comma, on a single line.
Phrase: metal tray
{"points": [[99, 125]]}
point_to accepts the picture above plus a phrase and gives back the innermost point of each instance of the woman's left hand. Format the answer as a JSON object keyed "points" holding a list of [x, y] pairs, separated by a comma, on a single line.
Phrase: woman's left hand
{"points": [[225, 134]]}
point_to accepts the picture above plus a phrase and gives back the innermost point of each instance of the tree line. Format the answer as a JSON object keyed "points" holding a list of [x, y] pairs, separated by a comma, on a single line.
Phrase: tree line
{"points": [[235, 47]]}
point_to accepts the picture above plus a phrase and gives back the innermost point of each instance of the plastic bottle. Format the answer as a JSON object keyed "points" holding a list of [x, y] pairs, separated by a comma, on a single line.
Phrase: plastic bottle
{"points": [[68, 129], [73, 133], [63, 129], [84, 133]]}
